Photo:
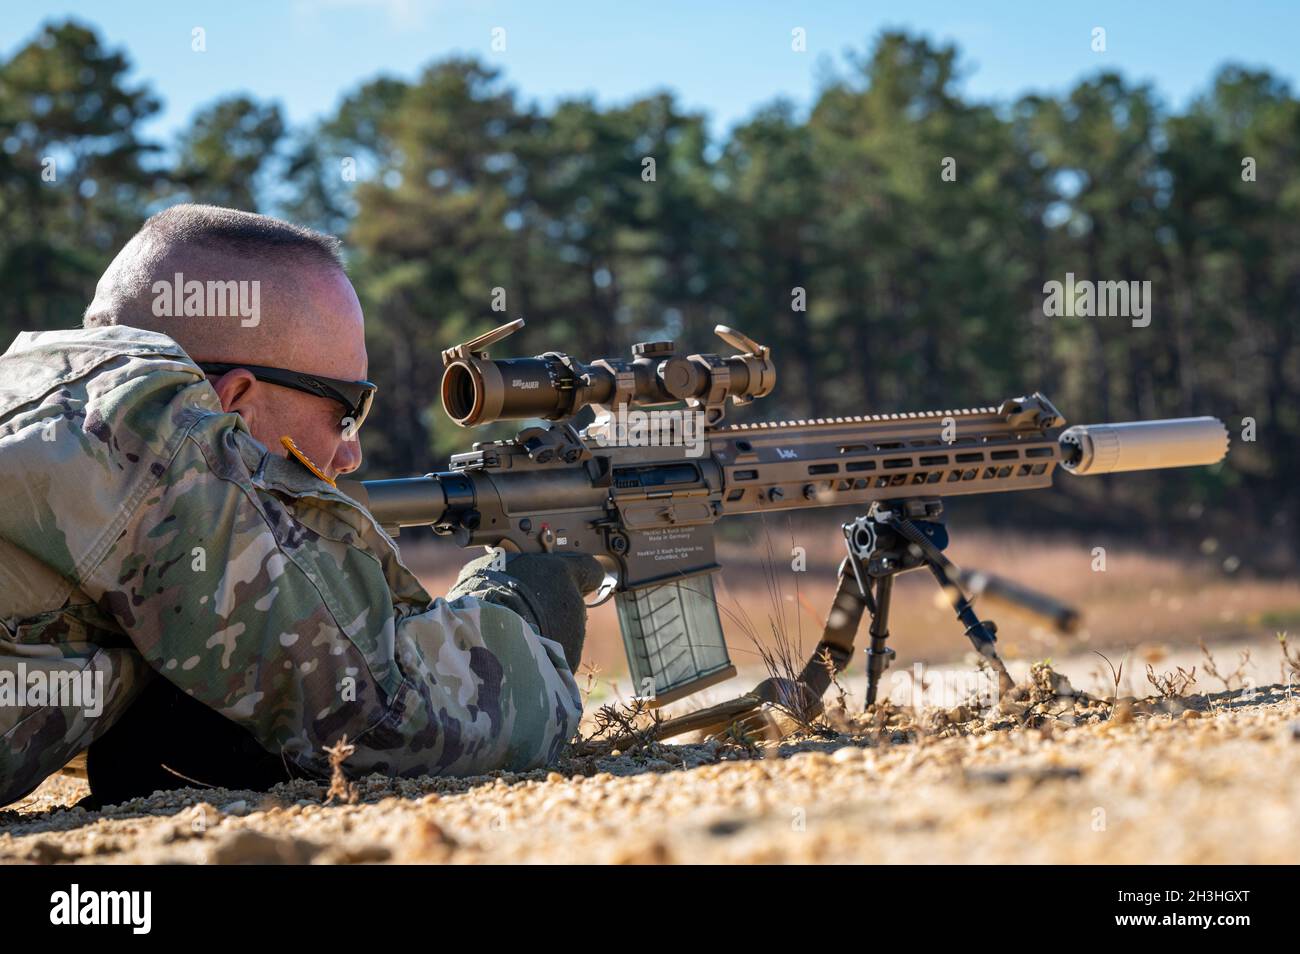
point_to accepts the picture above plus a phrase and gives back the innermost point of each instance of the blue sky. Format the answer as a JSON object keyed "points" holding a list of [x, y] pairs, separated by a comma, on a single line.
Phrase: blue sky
{"points": [[723, 58]]}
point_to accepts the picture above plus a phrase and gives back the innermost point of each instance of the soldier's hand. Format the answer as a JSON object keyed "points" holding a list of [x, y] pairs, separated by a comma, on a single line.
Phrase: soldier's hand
{"points": [[583, 571]]}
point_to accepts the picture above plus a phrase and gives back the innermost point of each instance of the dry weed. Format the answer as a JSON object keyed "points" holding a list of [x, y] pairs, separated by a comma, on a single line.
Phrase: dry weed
{"points": [[1290, 665], [1171, 685], [1211, 667], [340, 787]]}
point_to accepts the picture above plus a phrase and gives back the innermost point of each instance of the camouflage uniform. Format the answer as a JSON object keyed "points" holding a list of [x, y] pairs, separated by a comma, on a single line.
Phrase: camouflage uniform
{"points": [[143, 530]]}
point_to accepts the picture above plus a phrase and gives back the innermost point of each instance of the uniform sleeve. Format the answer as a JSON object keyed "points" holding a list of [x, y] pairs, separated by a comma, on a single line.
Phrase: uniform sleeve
{"points": [[275, 606]]}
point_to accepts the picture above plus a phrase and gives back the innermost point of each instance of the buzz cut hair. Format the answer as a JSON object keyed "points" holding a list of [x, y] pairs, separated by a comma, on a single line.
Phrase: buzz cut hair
{"points": [[189, 227], [242, 233]]}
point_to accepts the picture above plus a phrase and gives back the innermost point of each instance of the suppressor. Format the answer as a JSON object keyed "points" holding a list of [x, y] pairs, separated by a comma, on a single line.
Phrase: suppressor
{"points": [[1143, 445]]}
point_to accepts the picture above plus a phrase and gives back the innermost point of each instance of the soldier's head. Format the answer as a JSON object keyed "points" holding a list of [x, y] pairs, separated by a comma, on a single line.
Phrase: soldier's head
{"points": [[234, 288]]}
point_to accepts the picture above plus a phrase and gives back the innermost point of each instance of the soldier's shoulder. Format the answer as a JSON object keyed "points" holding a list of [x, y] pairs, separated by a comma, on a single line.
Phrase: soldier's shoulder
{"points": [[83, 347], [67, 361], [119, 398], [90, 420]]}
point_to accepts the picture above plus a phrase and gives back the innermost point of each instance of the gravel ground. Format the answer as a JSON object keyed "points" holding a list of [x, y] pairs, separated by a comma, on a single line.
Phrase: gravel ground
{"points": [[1048, 778]]}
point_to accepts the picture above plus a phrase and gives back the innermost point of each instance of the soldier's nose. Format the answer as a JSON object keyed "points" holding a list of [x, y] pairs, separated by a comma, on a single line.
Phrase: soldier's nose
{"points": [[348, 457]]}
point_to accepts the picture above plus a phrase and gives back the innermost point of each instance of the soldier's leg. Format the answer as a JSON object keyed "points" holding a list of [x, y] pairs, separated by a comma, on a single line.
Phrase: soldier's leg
{"points": [[54, 702]]}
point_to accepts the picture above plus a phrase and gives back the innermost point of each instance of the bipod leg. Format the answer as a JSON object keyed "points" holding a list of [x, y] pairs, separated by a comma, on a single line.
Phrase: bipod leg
{"points": [[835, 650], [879, 655], [983, 635]]}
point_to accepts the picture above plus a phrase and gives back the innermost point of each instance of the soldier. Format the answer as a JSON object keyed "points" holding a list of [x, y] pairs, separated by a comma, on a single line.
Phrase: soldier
{"points": [[183, 588]]}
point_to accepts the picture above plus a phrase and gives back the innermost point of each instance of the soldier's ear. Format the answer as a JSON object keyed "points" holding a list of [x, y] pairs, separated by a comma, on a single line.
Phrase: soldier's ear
{"points": [[235, 391]]}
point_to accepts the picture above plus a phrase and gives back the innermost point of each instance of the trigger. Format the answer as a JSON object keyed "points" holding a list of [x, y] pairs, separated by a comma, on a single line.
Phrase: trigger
{"points": [[604, 591]]}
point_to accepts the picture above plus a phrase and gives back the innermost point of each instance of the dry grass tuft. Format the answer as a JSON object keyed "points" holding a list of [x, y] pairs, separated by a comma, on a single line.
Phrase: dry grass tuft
{"points": [[340, 788], [1117, 675], [1211, 667], [1171, 685], [588, 671], [782, 652], [1290, 662], [622, 727]]}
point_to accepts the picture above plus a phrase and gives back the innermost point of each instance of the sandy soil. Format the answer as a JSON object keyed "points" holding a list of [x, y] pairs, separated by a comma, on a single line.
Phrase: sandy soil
{"points": [[1207, 777]]}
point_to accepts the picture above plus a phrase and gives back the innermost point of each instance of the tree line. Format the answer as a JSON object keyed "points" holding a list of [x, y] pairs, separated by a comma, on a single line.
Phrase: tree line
{"points": [[893, 243]]}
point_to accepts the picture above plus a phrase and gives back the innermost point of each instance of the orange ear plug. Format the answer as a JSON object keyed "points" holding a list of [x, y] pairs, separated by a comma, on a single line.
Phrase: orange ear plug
{"points": [[303, 459]]}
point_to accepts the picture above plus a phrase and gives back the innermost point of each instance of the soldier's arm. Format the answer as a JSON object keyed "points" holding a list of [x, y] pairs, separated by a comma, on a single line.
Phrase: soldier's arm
{"points": [[270, 598]]}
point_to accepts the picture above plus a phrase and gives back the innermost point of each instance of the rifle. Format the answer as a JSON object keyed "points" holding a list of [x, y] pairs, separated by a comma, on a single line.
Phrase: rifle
{"points": [[641, 487]]}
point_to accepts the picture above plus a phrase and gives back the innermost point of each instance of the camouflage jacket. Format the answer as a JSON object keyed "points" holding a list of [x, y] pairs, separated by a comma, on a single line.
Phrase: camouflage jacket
{"points": [[143, 530]]}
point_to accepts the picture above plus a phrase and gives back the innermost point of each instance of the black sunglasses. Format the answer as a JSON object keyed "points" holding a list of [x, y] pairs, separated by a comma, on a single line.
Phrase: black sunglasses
{"points": [[355, 396]]}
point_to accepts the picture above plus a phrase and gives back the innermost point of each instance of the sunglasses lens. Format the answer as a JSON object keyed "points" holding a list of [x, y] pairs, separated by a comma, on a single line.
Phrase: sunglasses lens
{"points": [[361, 411]]}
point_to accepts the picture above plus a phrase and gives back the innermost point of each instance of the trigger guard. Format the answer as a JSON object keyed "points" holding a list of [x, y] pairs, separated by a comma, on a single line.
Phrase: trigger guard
{"points": [[604, 591]]}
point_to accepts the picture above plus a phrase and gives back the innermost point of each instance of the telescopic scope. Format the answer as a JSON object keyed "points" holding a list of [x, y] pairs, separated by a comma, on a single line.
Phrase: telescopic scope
{"points": [[477, 389]]}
